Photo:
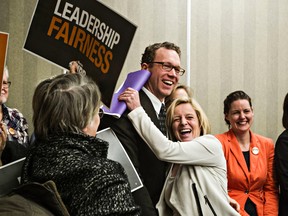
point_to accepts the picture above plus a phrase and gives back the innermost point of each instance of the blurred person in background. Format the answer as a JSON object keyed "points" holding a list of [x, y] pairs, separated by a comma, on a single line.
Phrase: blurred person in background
{"points": [[13, 127], [281, 162], [180, 90], [16, 123]]}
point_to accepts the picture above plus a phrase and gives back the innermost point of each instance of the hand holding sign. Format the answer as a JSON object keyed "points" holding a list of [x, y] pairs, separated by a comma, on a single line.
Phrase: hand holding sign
{"points": [[65, 30]]}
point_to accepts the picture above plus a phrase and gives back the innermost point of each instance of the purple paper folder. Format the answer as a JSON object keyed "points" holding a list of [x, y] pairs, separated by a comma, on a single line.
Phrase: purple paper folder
{"points": [[135, 80]]}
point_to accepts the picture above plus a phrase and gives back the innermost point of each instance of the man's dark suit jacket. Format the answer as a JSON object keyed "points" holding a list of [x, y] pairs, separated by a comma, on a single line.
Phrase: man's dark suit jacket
{"points": [[281, 167], [150, 169]]}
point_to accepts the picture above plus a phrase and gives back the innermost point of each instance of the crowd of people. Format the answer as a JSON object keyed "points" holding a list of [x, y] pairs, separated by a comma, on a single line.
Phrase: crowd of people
{"points": [[185, 170]]}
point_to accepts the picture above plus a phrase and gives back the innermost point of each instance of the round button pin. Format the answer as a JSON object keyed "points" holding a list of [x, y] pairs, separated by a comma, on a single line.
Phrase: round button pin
{"points": [[255, 150], [11, 131]]}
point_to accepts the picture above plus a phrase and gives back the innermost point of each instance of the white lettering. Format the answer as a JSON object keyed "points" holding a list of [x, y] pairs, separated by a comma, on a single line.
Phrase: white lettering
{"points": [[56, 8], [107, 35], [66, 11], [84, 19], [90, 23], [116, 40], [100, 34], [109, 43], [75, 15], [96, 26]]}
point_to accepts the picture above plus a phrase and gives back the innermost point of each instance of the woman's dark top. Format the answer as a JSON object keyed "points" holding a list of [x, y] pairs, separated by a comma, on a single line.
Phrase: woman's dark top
{"points": [[250, 207], [88, 182], [12, 152]]}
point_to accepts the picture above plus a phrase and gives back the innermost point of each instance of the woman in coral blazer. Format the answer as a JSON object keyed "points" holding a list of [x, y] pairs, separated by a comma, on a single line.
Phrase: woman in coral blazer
{"points": [[251, 180]]}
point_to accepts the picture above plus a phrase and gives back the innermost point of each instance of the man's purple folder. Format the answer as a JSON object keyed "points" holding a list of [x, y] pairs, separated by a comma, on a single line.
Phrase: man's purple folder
{"points": [[135, 80]]}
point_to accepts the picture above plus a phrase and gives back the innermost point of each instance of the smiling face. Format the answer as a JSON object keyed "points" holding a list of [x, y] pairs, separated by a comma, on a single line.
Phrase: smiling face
{"points": [[5, 90], [185, 123], [161, 82], [240, 116]]}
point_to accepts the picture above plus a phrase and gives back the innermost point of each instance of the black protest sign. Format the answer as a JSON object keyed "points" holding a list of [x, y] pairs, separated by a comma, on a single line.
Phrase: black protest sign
{"points": [[86, 30]]}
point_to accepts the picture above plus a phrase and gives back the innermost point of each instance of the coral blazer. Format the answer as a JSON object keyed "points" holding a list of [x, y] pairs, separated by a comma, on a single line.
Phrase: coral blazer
{"points": [[259, 183]]}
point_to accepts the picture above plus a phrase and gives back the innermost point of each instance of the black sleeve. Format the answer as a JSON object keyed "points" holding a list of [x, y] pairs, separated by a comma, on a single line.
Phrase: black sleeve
{"points": [[281, 163], [133, 145], [13, 151]]}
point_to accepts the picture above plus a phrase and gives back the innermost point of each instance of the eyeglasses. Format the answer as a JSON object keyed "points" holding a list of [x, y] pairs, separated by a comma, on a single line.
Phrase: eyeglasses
{"points": [[100, 113], [168, 67], [6, 84]]}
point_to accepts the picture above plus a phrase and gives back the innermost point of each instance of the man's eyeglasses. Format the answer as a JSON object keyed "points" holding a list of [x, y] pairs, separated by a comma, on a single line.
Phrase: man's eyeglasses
{"points": [[168, 67], [6, 84], [100, 113]]}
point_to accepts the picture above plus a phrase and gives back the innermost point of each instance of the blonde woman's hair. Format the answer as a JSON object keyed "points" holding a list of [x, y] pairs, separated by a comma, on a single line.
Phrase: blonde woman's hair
{"points": [[65, 103], [204, 124]]}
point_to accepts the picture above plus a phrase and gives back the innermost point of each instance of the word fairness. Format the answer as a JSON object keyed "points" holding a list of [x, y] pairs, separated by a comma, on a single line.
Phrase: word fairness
{"points": [[74, 35]]}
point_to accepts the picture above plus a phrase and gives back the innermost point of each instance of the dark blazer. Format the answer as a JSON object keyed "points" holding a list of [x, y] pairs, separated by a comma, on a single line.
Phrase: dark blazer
{"points": [[12, 152], [281, 167], [150, 169]]}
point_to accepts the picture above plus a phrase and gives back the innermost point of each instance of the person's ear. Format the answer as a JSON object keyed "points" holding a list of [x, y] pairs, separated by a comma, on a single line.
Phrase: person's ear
{"points": [[226, 117], [84, 130], [144, 66]]}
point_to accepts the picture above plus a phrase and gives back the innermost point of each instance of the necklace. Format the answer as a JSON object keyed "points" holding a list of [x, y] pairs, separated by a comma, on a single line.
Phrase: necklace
{"points": [[245, 147]]}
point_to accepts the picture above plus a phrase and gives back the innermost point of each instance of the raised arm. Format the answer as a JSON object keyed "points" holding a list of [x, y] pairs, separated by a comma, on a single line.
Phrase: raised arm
{"points": [[204, 150]]}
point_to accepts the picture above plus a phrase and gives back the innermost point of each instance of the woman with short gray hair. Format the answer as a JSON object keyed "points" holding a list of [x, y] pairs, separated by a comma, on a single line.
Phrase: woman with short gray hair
{"points": [[66, 117]]}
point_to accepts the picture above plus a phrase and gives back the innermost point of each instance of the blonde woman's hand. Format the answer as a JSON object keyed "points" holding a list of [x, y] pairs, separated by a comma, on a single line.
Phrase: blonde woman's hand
{"points": [[234, 204], [131, 97]]}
